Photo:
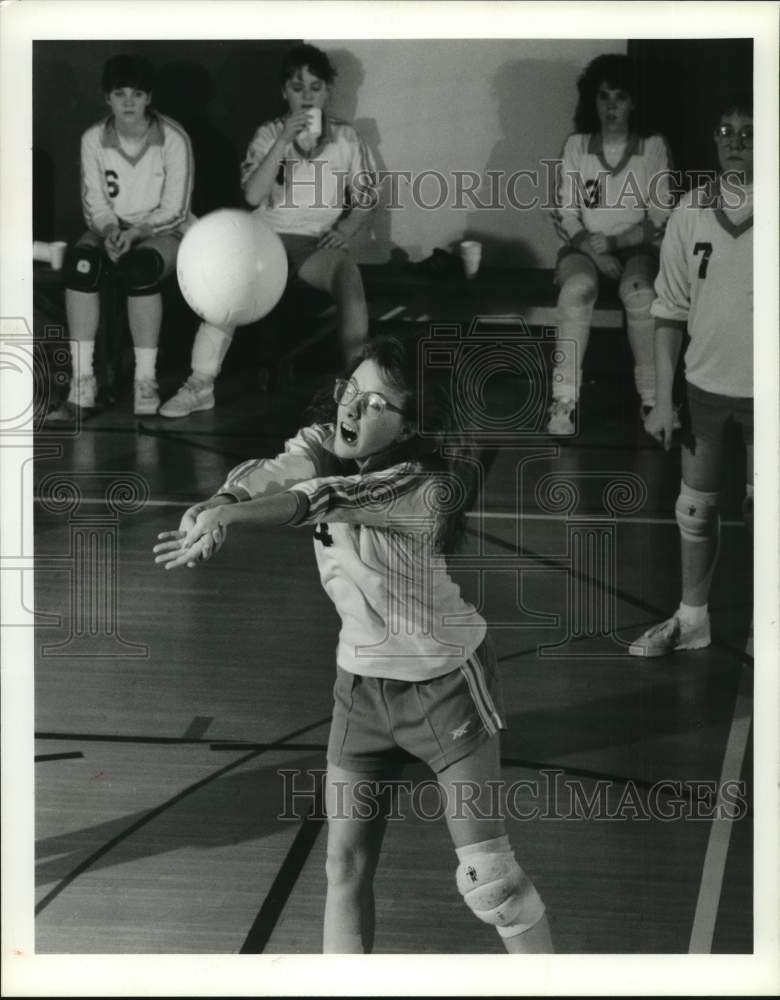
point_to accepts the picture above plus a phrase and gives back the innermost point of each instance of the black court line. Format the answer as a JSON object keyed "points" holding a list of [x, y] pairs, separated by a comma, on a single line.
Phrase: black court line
{"points": [[179, 740], [268, 746], [154, 813], [276, 899], [40, 757]]}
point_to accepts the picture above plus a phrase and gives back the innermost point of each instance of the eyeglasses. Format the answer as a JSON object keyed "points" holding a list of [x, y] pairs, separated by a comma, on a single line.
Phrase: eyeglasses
{"points": [[372, 404], [728, 133]]}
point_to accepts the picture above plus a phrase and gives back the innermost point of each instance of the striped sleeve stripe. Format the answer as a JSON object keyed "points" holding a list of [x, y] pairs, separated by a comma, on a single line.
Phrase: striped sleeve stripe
{"points": [[181, 214], [474, 673], [333, 495], [242, 470]]}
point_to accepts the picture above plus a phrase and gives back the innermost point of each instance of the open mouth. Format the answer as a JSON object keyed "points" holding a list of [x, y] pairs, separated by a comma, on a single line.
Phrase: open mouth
{"points": [[348, 435]]}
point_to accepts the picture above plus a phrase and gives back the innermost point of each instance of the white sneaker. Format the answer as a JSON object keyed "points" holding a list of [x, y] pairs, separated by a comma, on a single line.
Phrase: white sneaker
{"points": [[194, 395], [83, 390], [560, 418], [665, 638], [146, 399]]}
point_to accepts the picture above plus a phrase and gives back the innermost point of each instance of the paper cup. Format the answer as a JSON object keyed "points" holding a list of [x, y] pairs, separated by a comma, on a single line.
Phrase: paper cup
{"points": [[57, 254], [41, 252], [314, 128], [471, 255]]}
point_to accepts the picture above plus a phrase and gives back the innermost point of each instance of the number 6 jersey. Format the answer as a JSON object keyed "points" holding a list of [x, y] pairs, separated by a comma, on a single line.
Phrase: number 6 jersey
{"points": [[153, 187], [706, 281]]}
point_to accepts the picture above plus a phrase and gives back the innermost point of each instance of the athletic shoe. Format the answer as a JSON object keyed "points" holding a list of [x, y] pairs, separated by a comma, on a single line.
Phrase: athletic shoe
{"points": [[83, 390], [560, 419], [146, 398], [194, 395], [660, 640]]}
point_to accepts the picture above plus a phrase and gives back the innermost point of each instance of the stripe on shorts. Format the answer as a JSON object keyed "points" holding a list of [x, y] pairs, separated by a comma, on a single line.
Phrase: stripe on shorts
{"points": [[474, 673]]}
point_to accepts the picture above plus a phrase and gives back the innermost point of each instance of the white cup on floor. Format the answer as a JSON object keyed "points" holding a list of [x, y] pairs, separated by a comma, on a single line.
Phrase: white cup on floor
{"points": [[471, 255], [57, 254]]}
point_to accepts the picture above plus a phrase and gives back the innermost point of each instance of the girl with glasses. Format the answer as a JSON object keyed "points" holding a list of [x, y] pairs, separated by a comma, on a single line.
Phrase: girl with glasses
{"points": [[705, 289], [387, 481]]}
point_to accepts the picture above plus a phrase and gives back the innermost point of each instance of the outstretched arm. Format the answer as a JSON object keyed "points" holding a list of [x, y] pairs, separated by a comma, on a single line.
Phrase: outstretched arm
{"points": [[203, 528]]}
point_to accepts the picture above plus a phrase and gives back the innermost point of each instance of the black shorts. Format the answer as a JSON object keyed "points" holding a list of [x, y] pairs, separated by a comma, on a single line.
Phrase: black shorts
{"points": [[299, 249], [376, 719]]}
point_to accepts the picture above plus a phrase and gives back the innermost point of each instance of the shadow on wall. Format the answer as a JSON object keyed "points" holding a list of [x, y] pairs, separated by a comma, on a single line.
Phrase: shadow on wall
{"points": [[185, 91], [373, 244], [510, 218]]}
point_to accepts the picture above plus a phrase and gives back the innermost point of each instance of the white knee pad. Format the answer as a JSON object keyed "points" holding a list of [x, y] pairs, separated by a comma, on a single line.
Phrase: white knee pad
{"points": [[495, 887], [637, 297], [697, 514]]}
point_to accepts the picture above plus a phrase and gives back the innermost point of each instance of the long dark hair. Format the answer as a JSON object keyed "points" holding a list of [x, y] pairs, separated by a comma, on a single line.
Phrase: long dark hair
{"points": [[437, 444], [618, 73]]}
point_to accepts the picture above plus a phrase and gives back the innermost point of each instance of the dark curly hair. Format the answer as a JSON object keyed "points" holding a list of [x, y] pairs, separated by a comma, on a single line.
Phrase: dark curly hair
{"points": [[306, 57], [437, 443], [735, 102], [618, 73]]}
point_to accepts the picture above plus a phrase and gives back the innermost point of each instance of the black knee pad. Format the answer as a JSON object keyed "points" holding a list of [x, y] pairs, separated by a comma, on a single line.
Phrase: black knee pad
{"points": [[83, 268], [141, 271]]}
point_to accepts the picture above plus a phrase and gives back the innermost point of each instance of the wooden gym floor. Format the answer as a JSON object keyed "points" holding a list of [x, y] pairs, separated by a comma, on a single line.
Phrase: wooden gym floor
{"points": [[174, 710]]}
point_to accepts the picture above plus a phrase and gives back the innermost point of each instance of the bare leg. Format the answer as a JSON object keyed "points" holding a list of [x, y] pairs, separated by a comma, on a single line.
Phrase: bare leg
{"points": [[83, 312], [144, 315], [335, 272], [353, 854]]}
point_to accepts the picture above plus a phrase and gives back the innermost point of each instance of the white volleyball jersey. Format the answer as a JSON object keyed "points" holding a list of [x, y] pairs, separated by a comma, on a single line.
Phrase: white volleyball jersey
{"points": [[152, 187], [593, 197], [313, 188], [706, 281], [402, 615]]}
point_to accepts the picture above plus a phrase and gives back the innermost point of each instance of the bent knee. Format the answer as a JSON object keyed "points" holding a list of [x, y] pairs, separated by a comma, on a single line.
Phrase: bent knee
{"points": [[578, 290], [141, 271], [496, 889], [346, 867], [636, 293], [83, 267], [347, 279]]}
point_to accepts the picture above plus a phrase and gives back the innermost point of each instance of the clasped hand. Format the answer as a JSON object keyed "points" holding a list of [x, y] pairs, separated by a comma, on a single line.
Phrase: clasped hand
{"points": [[201, 533], [119, 241]]}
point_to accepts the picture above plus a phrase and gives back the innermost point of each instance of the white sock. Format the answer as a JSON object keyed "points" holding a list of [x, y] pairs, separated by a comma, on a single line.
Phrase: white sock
{"points": [[644, 379], [82, 353], [690, 614], [145, 363]]}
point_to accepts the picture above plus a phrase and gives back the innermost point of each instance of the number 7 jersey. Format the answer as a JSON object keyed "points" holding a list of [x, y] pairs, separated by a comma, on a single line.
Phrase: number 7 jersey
{"points": [[706, 281]]}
